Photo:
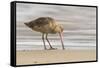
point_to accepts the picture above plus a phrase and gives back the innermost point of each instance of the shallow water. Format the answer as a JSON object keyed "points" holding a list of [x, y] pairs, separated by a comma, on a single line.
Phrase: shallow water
{"points": [[79, 26]]}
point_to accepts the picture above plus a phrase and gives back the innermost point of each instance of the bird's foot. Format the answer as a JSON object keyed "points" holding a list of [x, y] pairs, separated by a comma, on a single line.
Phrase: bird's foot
{"points": [[63, 48], [52, 48], [45, 48]]}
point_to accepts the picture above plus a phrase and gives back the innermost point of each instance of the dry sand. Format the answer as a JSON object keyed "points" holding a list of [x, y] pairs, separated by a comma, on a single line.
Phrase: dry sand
{"points": [[54, 56]]}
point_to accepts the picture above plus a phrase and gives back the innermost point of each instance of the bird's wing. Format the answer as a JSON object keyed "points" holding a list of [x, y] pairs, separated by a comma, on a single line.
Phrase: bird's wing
{"points": [[43, 21]]}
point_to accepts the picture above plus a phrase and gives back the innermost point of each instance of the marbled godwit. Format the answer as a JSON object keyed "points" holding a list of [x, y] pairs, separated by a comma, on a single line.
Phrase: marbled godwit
{"points": [[46, 25]]}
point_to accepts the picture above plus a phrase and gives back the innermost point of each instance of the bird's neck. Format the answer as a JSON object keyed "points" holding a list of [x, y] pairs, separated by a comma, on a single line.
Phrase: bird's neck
{"points": [[57, 29]]}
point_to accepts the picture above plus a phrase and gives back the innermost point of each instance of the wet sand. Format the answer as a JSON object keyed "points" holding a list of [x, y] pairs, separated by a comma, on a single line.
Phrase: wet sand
{"points": [[54, 56]]}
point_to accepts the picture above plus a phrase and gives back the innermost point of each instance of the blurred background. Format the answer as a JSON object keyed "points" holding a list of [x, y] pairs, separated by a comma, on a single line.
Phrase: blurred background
{"points": [[79, 26]]}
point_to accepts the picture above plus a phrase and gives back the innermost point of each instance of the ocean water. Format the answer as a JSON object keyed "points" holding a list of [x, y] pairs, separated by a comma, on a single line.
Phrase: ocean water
{"points": [[79, 25]]}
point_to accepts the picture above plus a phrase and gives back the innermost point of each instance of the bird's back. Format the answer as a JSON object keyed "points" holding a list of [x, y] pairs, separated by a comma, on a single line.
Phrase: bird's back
{"points": [[43, 21], [43, 24]]}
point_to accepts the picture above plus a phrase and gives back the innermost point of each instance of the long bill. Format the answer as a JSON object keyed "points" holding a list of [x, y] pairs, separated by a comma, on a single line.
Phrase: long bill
{"points": [[61, 38]]}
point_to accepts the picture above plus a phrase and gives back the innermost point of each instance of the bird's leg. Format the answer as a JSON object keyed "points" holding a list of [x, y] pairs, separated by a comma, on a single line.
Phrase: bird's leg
{"points": [[43, 41], [60, 34], [48, 41]]}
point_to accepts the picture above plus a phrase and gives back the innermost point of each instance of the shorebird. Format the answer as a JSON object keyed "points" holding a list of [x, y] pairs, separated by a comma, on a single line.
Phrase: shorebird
{"points": [[46, 25]]}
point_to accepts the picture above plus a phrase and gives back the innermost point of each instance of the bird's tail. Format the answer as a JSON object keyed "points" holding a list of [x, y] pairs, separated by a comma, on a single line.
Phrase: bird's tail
{"points": [[26, 24], [30, 25]]}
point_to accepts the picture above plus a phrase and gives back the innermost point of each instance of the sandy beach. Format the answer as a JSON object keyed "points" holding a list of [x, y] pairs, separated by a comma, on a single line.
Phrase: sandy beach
{"points": [[54, 56]]}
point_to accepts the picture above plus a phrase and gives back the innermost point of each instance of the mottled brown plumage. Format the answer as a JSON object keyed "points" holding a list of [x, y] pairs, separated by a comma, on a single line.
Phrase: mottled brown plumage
{"points": [[46, 25]]}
